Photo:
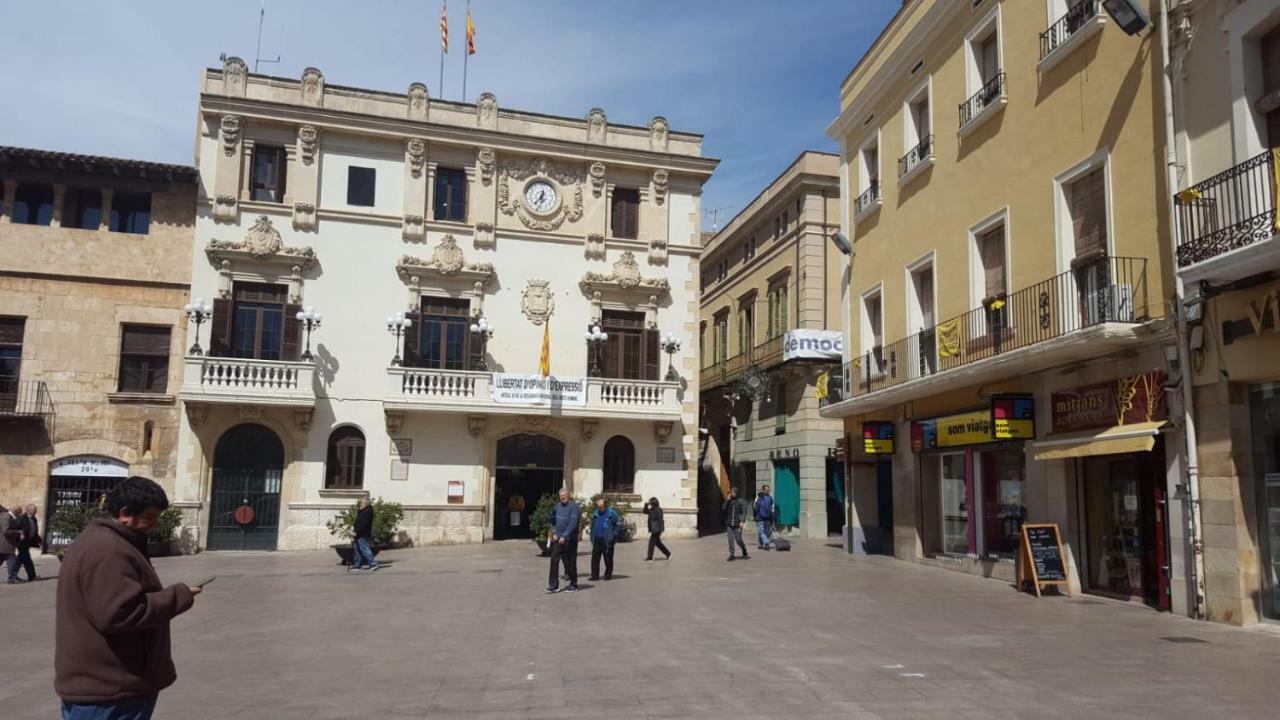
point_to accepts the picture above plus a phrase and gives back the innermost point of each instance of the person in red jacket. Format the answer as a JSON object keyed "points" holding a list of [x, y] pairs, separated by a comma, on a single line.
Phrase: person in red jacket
{"points": [[111, 637]]}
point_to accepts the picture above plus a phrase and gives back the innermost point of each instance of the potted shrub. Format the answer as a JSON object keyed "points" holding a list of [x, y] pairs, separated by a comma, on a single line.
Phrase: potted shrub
{"points": [[70, 520], [386, 520], [160, 539]]}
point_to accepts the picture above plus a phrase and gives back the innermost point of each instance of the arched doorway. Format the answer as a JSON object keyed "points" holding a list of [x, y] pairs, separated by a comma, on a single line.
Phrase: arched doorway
{"points": [[528, 466], [619, 465], [248, 470]]}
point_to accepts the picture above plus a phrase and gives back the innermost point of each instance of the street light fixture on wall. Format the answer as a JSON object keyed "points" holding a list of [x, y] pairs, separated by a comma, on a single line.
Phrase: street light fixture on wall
{"points": [[199, 313], [483, 331], [1128, 15], [596, 338], [310, 320], [398, 325], [671, 346]]}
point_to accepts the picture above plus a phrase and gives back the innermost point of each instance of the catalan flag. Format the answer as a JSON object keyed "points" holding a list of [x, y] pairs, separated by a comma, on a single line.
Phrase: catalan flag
{"points": [[471, 32], [444, 27], [544, 364]]}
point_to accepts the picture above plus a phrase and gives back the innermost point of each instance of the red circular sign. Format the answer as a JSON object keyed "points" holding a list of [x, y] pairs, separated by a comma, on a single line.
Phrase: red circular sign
{"points": [[244, 515]]}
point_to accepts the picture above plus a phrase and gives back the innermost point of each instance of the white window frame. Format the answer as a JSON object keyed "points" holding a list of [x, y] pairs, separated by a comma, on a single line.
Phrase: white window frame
{"points": [[992, 22], [1064, 232], [866, 172], [1055, 10], [866, 336], [977, 271], [910, 131], [915, 312]]}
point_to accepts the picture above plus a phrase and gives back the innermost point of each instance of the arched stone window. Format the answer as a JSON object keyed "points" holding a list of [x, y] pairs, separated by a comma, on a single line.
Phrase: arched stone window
{"points": [[619, 465], [344, 469]]}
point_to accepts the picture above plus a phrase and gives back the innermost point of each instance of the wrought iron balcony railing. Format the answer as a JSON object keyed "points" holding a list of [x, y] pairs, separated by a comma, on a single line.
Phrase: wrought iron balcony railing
{"points": [[1229, 211], [24, 399], [986, 96], [915, 156], [1067, 25], [1112, 290], [868, 197], [767, 353]]}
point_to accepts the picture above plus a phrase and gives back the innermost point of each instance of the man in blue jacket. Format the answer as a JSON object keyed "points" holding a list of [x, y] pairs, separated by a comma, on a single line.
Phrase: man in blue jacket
{"points": [[763, 513], [605, 524], [563, 540]]}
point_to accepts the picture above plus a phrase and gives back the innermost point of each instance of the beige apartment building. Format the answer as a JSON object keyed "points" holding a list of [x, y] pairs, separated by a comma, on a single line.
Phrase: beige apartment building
{"points": [[1009, 350], [97, 264], [769, 337]]}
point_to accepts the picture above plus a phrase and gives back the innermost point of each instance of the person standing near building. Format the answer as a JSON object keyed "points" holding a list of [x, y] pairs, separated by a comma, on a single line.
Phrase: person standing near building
{"points": [[31, 539], [6, 547], [656, 528], [111, 637], [14, 526], [362, 551], [735, 514], [563, 540], [762, 511], [605, 525]]}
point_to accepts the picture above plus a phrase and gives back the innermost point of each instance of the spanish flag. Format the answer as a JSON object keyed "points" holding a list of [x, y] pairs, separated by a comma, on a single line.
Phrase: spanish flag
{"points": [[544, 364], [444, 26], [471, 33]]}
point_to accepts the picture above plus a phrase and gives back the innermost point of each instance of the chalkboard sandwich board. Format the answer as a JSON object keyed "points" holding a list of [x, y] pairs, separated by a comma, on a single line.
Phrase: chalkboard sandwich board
{"points": [[1040, 559]]}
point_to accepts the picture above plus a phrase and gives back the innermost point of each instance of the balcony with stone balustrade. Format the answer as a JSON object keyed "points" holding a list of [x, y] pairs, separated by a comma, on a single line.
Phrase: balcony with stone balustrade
{"points": [[245, 381]]}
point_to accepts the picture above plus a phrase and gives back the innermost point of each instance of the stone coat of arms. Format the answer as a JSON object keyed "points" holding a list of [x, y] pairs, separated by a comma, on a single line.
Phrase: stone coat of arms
{"points": [[537, 302]]}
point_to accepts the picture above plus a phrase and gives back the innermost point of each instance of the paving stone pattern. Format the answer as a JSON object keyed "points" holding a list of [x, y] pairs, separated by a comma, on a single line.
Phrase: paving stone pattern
{"points": [[466, 632]]}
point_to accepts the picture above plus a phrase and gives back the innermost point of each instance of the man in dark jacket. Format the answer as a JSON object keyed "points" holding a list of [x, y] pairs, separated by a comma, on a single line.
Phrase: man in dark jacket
{"points": [[656, 528], [30, 527], [762, 513], [605, 524], [563, 540], [13, 524], [111, 646], [362, 551], [735, 514]]}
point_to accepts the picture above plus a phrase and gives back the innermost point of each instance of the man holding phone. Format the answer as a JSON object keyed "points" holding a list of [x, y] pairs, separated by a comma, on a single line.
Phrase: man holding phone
{"points": [[111, 648]]}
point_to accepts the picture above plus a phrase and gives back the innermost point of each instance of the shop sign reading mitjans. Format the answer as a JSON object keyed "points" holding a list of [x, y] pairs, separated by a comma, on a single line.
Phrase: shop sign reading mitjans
{"points": [[1133, 399], [1008, 418]]}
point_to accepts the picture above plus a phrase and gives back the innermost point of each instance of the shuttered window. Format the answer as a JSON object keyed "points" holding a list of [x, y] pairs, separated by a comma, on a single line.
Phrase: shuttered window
{"points": [[267, 181], [631, 352], [258, 323], [778, 305], [144, 358], [992, 253], [625, 213], [989, 58], [722, 336], [1088, 205], [746, 324], [442, 339]]}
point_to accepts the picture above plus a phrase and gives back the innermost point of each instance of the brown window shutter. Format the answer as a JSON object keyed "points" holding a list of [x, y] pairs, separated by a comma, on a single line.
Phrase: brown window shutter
{"points": [[145, 340], [220, 328], [652, 353], [12, 330], [611, 356], [993, 261], [473, 345], [412, 339], [291, 347], [1089, 214]]}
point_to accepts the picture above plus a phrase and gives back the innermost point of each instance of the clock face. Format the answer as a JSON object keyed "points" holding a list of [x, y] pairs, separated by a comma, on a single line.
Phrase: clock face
{"points": [[540, 196]]}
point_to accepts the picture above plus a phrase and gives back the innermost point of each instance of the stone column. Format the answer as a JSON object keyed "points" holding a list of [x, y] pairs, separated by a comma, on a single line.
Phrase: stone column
{"points": [[108, 198], [907, 543], [59, 197], [6, 210], [413, 227]]}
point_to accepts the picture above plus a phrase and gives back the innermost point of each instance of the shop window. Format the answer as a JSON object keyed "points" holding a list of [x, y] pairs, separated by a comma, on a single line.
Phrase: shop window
{"points": [[268, 176], [32, 204], [624, 215], [344, 469], [144, 358], [632, 350], [11, 336], [619, 465], [451, 194], [131, 213], [955, 505], [1003, 503], [82, 208], [361, 186], [1264, 416]]}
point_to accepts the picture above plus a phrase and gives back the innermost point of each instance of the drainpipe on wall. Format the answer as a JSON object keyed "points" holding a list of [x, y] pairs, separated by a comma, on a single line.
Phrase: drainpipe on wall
{"points": [[1184, 360]]}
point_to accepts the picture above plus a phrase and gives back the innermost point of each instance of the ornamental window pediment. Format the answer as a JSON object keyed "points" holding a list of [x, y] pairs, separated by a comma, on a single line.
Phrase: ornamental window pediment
{"points": [[625, 278], [261, 245], [447, 271]]}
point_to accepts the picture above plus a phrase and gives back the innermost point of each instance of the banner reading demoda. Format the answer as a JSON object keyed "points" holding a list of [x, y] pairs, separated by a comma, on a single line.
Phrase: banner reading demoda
{"points": [[538, 390], [812, 345]]}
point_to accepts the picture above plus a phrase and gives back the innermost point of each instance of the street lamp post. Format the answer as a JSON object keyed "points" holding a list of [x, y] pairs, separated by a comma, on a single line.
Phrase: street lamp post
{"points": [[310, 320], [596, 338], [199, 313], [482, 331], [671, 346], [398, 325]]}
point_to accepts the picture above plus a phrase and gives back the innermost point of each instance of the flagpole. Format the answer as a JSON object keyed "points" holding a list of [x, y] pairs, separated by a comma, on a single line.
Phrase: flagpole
{"points": [[466, 53], [444, 11]]}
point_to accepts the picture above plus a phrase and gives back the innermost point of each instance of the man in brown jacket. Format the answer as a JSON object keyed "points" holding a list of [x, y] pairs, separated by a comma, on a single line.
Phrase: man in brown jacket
{"points": [[111, 656]]}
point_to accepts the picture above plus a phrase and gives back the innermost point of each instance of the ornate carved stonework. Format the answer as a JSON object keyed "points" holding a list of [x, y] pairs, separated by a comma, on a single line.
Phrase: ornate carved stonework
{"points": [[487, 111], [625, 276], [596, 126], [658, 131], [230, 128], [476, 425], [533, 424], [234, 76], [414, 228], [662, 431], [394, 421], [512, 203], [596, 172], [589, 428], [486, 158], [483, 236], [312, 87], [657, 251], [307, 135], [660, 179], [224, 208], [262, 242], [249, 412], [537, 301], [418, 100], [304, 216], [196, 413], [595, 249], [302, 418], [416, 150], [447, 259]]}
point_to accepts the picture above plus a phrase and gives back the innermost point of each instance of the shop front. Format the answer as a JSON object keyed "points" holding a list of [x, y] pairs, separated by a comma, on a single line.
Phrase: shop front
{"points": [[1264, 416]]}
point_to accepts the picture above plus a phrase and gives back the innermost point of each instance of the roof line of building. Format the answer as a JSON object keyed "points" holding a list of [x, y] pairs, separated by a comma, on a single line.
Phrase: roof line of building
{"points": [[100, 164], [746, 208], [883, 31]]}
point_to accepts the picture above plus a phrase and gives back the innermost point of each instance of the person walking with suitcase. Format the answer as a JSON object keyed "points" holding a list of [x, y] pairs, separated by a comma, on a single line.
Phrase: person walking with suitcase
{"points": [[735, 514], [656, 528], [762, 512]]}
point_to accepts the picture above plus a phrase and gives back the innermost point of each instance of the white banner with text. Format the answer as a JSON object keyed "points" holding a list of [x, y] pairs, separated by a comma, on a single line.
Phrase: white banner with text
{"points": [[538, 390], [813, 345]]}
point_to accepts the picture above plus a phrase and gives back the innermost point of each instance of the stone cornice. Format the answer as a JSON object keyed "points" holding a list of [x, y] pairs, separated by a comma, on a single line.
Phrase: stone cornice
{"points": [[342, 121]]}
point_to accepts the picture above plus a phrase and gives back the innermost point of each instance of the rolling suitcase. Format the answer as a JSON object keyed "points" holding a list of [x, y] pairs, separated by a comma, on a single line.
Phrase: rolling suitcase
{"points": [[780, 543]]}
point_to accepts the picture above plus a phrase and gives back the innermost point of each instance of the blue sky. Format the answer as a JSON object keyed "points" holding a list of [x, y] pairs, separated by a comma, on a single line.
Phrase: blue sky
{"points": [[760, 79]]}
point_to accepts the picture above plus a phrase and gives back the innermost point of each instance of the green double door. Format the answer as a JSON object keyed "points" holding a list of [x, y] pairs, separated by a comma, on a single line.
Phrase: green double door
{"points": [[786, 492]]}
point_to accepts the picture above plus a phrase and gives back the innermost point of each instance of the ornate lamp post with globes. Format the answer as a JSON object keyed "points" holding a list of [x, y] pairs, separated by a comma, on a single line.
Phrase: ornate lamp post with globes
{"points": [[671, 346], [310, 320], [398, 325], [596, 338], [199, 313], [482, 331]]}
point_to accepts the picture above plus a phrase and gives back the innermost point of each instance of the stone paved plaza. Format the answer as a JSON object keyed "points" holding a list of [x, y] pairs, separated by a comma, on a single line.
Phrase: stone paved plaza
{"points": [[467, 632]]}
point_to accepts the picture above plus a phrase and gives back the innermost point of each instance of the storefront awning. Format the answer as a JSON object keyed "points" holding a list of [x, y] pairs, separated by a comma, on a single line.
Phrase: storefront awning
{"points": [[1135, 437]]}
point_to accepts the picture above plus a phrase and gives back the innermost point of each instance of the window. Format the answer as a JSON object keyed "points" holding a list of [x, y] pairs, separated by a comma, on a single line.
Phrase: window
{"points": [[780, 409], [869, 175], [625, 213], [722, 336], [344, 469], [799, 206], [1087, 207], [443, 334], [131, 213], [631, 352], [778, 306], [702, 342], [786, 221], [988, 56], [917, 131], [82, 208], [144, 358], [33, 205], [11, 334], [268, 177], [922, 320], [749, 250], [1269, 46], [361, 183], [777, 228], [619, 465], [259, 323], [872, 335], [991, 256], [955, 505], [746, 323], [451, 194]]}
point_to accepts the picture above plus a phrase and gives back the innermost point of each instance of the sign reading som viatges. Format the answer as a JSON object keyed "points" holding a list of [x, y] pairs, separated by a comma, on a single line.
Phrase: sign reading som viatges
{"points": [[812, 345], [539, 390]]}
